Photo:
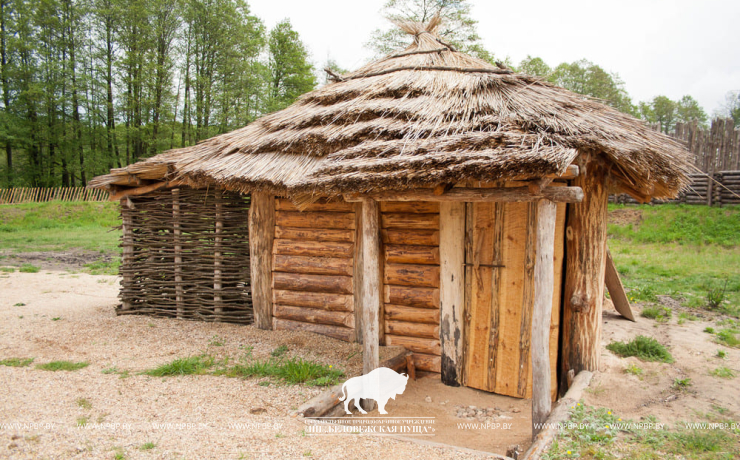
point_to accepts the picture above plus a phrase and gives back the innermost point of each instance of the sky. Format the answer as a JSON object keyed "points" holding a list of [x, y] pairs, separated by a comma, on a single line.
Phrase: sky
{"points": [[658, 47]]}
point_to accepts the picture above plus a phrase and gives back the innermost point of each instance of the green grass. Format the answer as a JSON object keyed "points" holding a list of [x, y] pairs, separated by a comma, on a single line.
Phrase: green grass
{"points": [[28, 268], [59, 226], [193, 365], [16, 362], [291, 371], [633, 370], [728, 336], [62, 366], [658, 313], [683, 224], [644, 348], [84, 403], [593, 433], [279, 351], [691, 253], [723, 372], [147, 446]]}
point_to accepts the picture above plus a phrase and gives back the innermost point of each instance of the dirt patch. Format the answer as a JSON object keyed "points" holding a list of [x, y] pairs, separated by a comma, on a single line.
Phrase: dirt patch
{"points": [[62, 316], [625, 216], [73, 260], [465, 417], [653, 393]]}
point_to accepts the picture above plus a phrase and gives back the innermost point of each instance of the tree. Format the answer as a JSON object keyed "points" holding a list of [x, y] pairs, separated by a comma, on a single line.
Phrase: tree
{"points": [[534, 66], [458, 27], [731, 107], [585, 77], [291, 74], [665, 113], [688, 109]]}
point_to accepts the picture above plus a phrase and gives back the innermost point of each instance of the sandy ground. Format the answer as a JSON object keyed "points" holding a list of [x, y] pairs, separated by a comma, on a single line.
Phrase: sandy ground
{"points": [[653, 393], [53, 315], [70, 317]]}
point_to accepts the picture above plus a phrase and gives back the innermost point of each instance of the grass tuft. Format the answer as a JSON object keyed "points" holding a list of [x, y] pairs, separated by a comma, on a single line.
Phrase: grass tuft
{"points": [[292, 371], [16, 362], [62, 366], [193, 365], [658, 313], [644, 348], [28, 268], [723, 372]]}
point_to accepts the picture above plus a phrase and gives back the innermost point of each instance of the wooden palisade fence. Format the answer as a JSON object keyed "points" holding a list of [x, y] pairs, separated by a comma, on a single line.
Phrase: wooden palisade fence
{"points": [[42, 194], [723, 190], [717, 155]]}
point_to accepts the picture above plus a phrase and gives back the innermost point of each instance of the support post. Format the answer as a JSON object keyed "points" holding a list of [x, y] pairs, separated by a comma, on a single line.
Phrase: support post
{"points": [[127, 258], [371, 287], [177, 233], [218, 256], [585, 265], [452, 289], [544, 279], [616, 289], [357, 272], [261, 238]]}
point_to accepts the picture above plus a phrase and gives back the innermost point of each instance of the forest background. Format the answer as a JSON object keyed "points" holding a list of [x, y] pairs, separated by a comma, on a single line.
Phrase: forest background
{"points": [[89, 85]]}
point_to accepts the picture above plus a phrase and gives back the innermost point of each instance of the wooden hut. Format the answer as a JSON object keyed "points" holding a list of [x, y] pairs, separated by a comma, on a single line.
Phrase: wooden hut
{"points": [[433, 201]]}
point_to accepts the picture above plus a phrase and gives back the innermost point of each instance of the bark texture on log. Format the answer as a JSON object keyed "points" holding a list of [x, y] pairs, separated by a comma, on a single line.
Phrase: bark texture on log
{"points": [[261, 237], [585, 239]]}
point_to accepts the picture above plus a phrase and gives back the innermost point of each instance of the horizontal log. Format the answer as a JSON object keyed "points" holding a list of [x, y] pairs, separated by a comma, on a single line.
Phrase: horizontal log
{"points": [[411, 314], [406, 254], [312, 248], [474, 195], [344, 220], [410, 221], [315, 234], [429, 363], [410, 207], [313, 315], [321, 300], [337, 332], [411, 275], [571, 172], [284, 204], [312, 283], [415, 344], [144, 190], [403, 328], [411, 237], [412, 296], [312, 265]]}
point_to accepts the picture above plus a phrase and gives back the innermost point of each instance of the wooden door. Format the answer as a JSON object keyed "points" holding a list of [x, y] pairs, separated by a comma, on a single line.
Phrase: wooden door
{"points": [[499, 296]]}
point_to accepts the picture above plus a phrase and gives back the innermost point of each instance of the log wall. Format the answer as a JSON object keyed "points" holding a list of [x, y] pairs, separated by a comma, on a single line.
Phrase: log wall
{"points": [[185, 257], [722, 190], [411, 276], [313, 259]]}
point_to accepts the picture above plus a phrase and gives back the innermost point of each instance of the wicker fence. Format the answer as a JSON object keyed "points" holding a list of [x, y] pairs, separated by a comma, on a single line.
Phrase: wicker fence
{"points": [[723, 190], [186, 255], [40, 194]]}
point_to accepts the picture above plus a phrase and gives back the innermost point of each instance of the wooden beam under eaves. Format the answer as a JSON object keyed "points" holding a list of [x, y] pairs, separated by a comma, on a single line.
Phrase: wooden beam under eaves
{"points": [[474, 195]]}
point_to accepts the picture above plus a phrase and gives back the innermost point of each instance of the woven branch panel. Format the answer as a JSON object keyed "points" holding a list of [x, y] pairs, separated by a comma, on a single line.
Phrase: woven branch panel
{"points": [[186, 255]]}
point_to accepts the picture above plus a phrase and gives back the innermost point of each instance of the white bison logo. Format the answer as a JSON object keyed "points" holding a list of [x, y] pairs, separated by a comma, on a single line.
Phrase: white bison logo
{"points": [[381, 384]]}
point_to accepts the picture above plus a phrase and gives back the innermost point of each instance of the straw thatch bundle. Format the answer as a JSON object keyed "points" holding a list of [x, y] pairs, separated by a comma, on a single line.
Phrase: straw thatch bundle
{"points": [[418, 118]]}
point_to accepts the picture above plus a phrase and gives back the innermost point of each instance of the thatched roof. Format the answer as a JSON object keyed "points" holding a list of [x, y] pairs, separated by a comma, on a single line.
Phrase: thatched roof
{"points": [[423, 116]]}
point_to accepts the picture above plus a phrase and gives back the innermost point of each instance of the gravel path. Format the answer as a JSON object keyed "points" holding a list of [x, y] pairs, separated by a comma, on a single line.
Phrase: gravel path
{"points": [[60, 316]]}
